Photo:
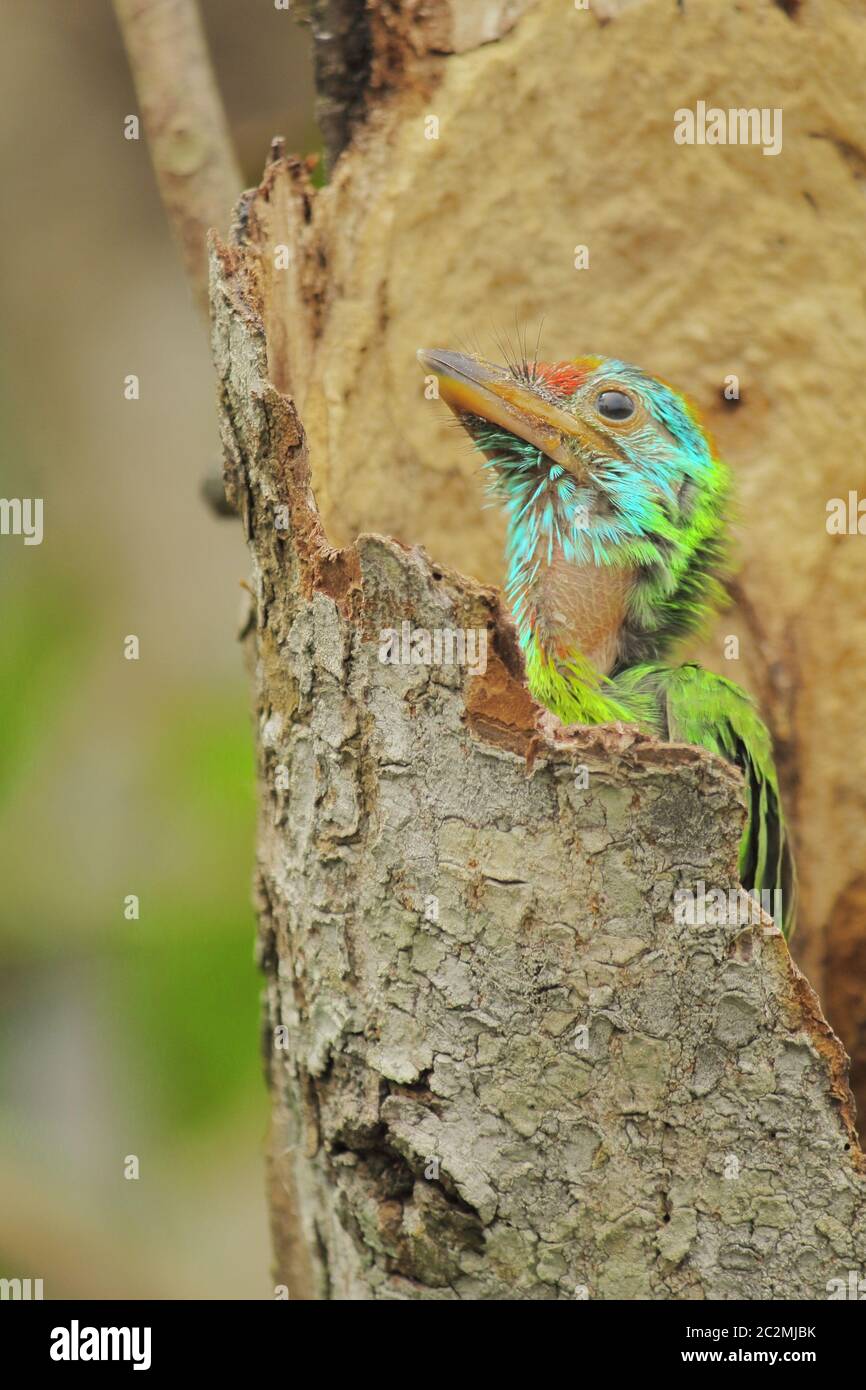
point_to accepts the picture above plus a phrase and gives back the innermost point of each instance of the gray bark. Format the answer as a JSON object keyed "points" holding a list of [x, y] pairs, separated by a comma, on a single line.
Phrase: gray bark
{"points": [[500, 1067]]}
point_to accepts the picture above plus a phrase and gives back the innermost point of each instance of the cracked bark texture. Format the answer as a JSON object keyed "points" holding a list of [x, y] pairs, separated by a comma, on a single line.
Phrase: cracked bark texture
{"points": [[703, 262], [500, 1068]]}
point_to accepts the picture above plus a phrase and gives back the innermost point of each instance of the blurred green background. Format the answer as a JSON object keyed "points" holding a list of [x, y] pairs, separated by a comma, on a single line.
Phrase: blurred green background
{"points": [[117, 777]]}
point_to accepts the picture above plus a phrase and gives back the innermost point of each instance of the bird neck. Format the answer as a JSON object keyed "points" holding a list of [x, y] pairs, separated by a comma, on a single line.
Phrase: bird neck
{"points": [[569, 609]]}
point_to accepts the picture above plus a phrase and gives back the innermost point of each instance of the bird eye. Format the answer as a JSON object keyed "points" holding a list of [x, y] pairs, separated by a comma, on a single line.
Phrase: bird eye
{"points": [[615, 405]]}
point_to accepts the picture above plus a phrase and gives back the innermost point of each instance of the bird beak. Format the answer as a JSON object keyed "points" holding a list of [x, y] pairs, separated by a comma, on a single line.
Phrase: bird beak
{"points": [[471, 386]]}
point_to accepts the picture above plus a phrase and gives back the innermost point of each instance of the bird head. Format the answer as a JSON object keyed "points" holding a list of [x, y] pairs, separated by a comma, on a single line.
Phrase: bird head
{"points": [[593, 455]]}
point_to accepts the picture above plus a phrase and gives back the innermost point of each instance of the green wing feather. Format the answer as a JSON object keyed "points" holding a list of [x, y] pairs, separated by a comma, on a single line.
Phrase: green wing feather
{"points": [[696, 706]]}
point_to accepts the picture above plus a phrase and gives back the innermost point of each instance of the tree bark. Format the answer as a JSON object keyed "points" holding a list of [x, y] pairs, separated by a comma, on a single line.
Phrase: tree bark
{"points": [[475, 147], [706, 263], [500, 1066]]}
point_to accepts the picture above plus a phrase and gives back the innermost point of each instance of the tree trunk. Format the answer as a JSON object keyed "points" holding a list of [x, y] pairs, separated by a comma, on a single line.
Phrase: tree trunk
{"points": [[501, 1067]]}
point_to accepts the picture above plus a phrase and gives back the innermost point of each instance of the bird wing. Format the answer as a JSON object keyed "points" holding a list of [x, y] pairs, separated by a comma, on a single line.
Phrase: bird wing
{"points": [[711, 712]]}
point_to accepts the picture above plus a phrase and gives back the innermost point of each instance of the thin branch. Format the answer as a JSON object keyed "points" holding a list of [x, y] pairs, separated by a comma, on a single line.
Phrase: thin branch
{"points": [[196, 167]]}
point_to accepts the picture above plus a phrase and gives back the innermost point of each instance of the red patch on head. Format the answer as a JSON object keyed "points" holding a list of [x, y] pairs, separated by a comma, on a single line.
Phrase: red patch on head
{"points": [[561, 377]]}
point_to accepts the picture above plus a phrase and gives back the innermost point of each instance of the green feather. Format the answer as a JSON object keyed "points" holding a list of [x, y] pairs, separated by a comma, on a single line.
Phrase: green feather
{"points": [[698, 707]]}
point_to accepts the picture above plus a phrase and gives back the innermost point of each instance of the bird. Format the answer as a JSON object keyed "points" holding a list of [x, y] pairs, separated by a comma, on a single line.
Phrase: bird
{"points": [[617, 510]]}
